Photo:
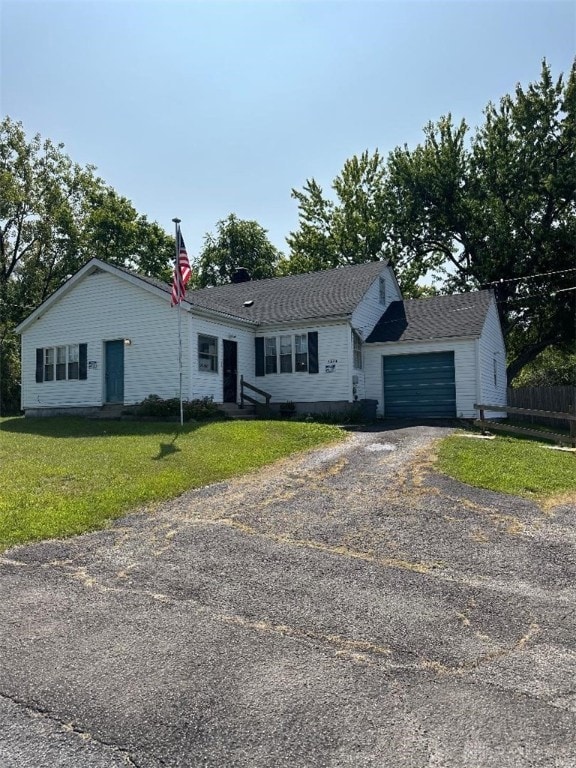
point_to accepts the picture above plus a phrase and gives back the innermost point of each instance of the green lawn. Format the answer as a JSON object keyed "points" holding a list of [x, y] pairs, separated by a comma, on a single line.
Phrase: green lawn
{"points": [[62, 476], [513, 465]]}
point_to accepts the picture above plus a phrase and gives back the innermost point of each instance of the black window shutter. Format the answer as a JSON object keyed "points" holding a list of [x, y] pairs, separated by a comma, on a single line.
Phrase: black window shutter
{"points": [[259, 349], [83, 365], [39, 365], [313, 352]]}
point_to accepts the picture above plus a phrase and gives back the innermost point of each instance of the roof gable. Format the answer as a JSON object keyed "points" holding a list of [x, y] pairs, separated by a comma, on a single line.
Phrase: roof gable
{"points": [[461, 315], [331, 293], [94, 265], [315, 295]]}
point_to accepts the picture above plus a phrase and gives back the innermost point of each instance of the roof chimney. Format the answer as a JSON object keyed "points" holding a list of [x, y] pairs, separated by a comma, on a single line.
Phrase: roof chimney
{"points": [[241, 275]]}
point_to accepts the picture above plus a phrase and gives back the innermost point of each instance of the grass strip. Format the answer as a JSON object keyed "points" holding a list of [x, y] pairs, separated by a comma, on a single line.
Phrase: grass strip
{"points": [[518, 466], [64, 476]]}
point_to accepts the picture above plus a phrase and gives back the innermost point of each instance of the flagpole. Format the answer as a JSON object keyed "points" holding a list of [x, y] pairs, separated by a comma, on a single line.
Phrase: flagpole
{"points": [[177, 272]]}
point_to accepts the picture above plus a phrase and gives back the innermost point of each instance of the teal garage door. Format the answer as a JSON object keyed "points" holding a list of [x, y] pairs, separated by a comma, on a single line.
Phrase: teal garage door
{"points": [[420, 386]]}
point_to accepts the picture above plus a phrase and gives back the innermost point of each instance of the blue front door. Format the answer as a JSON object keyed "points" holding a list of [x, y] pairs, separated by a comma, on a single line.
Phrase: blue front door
{"points": [[115, 371]]}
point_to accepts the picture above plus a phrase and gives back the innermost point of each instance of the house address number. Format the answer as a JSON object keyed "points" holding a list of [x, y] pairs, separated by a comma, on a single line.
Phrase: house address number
{"points": [[330, 366]]}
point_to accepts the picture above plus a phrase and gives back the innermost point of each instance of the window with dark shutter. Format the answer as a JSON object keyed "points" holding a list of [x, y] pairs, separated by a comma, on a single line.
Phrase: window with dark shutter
{"points": [[64, 363], [313, 352], [259, 356], [83, 357], [39, 365]]}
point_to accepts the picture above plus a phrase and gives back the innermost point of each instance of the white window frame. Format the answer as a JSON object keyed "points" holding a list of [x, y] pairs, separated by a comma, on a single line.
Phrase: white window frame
{"points": [[207, 361], [49, 363], [270, 355], [60, 357], [382, 290], [285, 354], [286, 361], [59, 362], [300, 339], [73, 362]]}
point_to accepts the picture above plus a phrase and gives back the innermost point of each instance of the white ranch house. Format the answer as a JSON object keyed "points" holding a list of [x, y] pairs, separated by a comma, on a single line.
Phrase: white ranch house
{"points": [[322, 340]]}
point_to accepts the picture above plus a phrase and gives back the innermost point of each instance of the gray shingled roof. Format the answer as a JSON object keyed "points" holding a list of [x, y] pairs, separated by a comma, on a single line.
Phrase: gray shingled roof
{"points": [[331, 293], [438, 317]]}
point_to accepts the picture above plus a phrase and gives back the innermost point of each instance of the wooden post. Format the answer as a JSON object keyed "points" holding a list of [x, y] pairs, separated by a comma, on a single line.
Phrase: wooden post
{"points": [[241, 390], [482, 420]]}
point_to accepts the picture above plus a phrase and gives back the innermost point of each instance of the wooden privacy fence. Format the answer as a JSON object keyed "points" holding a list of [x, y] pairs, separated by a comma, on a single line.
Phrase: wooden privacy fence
{"points": [[556, 437], [559, 399]]}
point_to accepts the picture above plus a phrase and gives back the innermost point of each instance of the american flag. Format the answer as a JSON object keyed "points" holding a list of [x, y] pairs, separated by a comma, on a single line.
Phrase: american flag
{"points": [[182, 273]]}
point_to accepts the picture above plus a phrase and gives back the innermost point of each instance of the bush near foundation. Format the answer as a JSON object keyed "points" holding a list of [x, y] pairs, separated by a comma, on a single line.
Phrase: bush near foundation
{"points": [[156, 407]]}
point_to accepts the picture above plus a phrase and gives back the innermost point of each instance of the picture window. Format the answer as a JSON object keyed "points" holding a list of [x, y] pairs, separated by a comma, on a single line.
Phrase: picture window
{"points": [[208, 354]]}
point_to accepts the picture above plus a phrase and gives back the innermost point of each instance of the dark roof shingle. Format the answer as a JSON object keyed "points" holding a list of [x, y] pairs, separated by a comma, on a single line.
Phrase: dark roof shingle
{"points": [[437, 317], [330, 293]]}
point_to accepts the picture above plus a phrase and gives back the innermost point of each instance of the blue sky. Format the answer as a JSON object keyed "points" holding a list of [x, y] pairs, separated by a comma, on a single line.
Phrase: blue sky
{"points": [[200, 109]]}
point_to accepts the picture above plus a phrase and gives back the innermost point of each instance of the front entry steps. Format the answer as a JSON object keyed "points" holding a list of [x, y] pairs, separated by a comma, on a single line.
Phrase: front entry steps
{"points": [[233, 411], [108, 411]]}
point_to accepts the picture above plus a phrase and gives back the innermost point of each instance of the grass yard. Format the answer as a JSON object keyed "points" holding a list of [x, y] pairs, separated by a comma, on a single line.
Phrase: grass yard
{"points": [[63, 476], [513, 465]]}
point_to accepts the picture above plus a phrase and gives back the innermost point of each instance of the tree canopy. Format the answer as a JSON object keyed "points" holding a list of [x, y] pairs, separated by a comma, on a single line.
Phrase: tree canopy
{"points": [[495, 208], [54, 216], [237, 243]]}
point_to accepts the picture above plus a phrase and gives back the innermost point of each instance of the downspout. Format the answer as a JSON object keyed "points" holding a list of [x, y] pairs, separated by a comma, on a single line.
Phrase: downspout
{"points": [[350, 365], [478, 375]]}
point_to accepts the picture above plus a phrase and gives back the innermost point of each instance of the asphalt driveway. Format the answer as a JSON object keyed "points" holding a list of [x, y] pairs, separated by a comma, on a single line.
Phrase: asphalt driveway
{"points": [[348, 607]]}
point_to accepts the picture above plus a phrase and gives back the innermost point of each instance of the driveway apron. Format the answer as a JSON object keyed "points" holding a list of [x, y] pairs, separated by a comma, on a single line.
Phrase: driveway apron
{"points": [[345, 607]]}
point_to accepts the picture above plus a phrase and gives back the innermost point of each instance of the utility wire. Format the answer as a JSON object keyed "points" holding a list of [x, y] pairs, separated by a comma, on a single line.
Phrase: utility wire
{"points": [[531, 277]]}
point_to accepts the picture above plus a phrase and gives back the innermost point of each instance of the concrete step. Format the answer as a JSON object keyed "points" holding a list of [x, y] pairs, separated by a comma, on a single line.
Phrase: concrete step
{"points": [[108, 411], [233, 411]]}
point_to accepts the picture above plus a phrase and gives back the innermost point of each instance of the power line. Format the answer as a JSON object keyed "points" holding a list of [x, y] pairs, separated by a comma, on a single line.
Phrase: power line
{"points": [[520, 299], [531, 277]]}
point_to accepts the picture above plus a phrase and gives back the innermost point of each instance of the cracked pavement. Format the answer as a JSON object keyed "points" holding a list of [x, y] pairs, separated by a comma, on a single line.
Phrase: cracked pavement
{"points": [[344, 607]]}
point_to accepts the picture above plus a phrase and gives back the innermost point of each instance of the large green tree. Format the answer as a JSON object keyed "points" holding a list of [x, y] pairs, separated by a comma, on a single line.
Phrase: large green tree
{"points": [[351, 227], [495, 208], [54, 216], [499, 211], [237, 243]]}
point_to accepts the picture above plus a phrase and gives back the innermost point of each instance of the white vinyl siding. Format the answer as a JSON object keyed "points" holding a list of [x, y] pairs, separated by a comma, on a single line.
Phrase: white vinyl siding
{"points": [[370, 309], [333, 382], [205, 383], [492, 360], [98, 308]]}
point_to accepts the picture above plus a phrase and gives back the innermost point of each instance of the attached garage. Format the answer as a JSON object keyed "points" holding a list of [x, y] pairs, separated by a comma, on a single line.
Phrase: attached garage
{"points": [[435, 358], [420, 386]]}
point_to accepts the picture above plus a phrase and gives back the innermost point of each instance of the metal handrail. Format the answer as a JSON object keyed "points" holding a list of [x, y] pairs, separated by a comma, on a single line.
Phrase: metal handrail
{"points": [[245, 385]]}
